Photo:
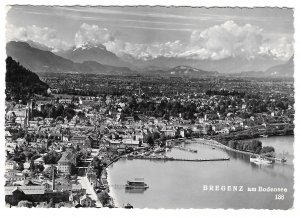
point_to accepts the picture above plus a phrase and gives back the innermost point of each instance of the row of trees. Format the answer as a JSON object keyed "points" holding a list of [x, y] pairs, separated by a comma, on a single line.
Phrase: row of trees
{"points": [[56, 111], [253, 146]]}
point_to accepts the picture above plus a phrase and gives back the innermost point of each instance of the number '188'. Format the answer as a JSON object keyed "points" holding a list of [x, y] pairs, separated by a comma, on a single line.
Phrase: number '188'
{"points": [[279, 196]]}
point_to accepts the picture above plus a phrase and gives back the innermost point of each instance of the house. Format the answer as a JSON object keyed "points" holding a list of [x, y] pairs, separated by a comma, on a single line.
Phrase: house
{"points": [[65, 138], [65, 101], [131, 143], [8, 136], [10, 147], [10, 165], [182, 133], [83, 142], [26, 164], [86, 201], [13, 176], [169, 133], [121, 148], [33, 124], [65, 163], [39, 161]]}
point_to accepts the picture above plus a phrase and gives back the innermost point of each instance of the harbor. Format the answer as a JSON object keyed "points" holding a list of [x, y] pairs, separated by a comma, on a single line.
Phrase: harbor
{"points": [[164, 176]]}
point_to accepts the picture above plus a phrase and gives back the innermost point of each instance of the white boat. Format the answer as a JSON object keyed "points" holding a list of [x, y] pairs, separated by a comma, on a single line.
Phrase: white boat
{"points": [[259, 160]]}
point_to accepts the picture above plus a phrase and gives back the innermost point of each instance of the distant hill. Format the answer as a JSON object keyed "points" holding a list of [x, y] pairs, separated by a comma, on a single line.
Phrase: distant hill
{"points": [[182, 71], [186, 71], [45, 61], [21, 82], [280, 70]]}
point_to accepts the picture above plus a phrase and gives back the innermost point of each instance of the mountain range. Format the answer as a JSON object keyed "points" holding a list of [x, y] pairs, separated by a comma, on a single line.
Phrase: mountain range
{"points": [[224, 66], [38, 60], [97, 59], [280, 70]]}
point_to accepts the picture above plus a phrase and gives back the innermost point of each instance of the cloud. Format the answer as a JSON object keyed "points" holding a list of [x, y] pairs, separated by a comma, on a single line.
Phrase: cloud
{"points": [[228, 39], [93, 35], [145, 51], [217, 42], [41, 35], [280, 48]]}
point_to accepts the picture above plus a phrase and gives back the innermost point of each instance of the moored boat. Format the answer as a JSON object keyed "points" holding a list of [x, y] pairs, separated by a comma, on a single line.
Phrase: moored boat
{"points": [[136, 185], [128, 206], [259, 160]]}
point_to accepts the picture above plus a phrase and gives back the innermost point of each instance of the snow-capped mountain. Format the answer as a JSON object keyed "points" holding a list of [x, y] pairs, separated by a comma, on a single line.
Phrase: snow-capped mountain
{"points": [[97, 53]]}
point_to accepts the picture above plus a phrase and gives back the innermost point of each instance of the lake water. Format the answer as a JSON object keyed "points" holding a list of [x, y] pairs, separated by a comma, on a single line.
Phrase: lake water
{"points": [[179, 184]]}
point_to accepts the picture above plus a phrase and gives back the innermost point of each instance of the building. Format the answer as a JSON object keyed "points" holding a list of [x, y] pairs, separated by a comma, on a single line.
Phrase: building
{"points": [[8, 136], [10, 165], [33, 193], [131, 143], [169, 133], [14, 176], [65, 163], [83, 142]]}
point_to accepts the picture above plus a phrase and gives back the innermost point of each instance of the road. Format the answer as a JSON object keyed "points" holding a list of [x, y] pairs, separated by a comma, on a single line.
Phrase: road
{"points": [[83, 180]]}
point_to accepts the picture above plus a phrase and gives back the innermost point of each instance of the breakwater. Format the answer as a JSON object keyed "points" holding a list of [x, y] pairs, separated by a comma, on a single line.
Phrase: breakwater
{"points": [[176, 159], [220, 145]]}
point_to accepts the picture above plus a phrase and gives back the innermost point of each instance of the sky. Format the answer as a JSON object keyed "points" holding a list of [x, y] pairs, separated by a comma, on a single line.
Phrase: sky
{"points": [[149, 32]]}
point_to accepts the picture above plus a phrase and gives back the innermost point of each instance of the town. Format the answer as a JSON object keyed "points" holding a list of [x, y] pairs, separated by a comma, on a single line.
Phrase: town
{"points": [[59, 144]]}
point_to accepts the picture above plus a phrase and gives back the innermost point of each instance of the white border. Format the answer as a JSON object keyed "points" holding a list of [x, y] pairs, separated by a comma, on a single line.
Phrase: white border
{"points": [[159, 212]]}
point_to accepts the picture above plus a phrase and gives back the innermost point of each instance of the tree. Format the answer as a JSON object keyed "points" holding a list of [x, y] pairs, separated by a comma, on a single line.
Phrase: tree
{"points": [[150, 141], [104, 198], [59, 110], [69, 113], [267, 149], [232, 144], [255, 145], [48, 172], [52, 157], [97, 166], [51, 204], [13, 200], [25, 203]]}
